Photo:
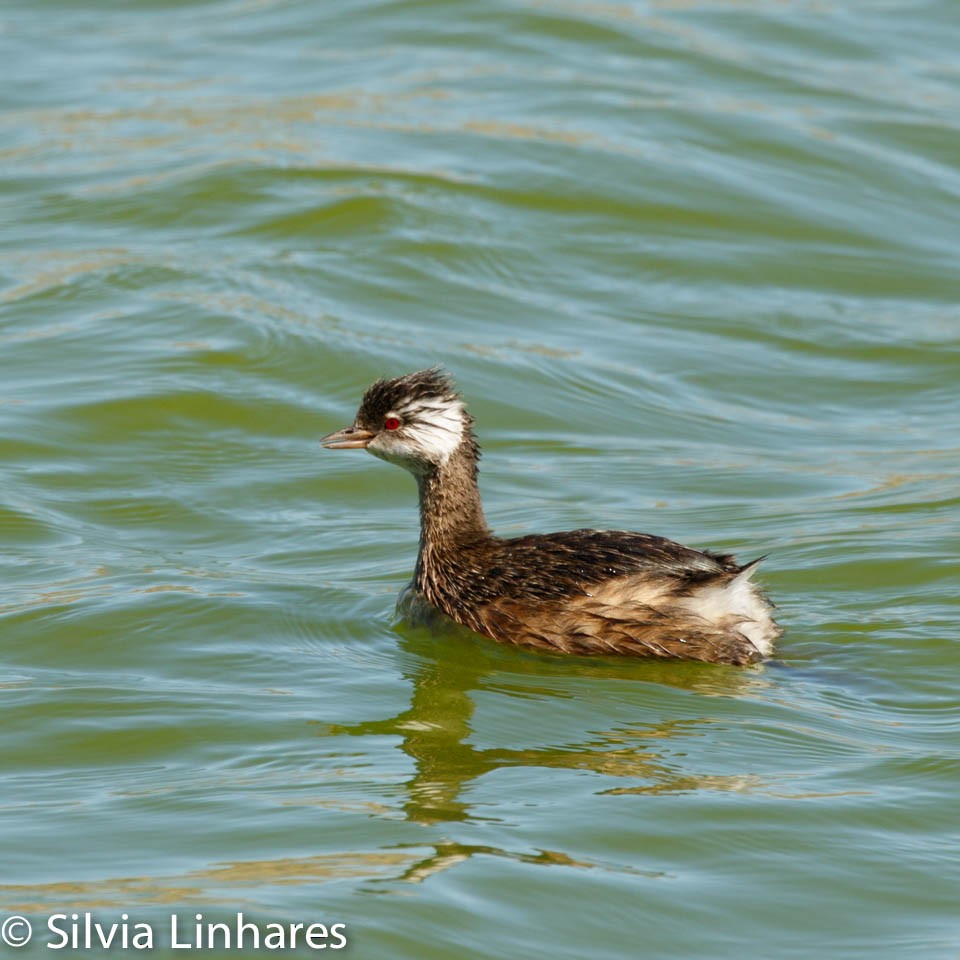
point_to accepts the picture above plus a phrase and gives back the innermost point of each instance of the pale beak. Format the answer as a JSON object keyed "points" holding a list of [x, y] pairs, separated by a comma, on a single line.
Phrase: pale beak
{"points": [[349, 438]]}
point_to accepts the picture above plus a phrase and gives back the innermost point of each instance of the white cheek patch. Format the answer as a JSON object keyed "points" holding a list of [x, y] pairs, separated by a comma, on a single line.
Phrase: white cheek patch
{"points": [[435, 427], [402, 454], [432, 431]]}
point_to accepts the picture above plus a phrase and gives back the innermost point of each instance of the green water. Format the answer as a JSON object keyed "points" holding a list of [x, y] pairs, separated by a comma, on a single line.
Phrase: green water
{"points": [[695, 266]]}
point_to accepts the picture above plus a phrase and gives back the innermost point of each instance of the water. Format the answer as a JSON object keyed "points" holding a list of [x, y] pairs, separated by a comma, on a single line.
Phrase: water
{"points": [[694, 266]]}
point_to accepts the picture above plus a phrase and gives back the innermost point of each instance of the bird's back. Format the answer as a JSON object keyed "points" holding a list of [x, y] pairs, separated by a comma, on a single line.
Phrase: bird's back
{"points": [[605, 592]]}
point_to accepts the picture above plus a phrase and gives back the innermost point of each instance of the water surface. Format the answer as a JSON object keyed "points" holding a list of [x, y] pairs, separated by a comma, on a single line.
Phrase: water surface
{"points": [[694, 266]]}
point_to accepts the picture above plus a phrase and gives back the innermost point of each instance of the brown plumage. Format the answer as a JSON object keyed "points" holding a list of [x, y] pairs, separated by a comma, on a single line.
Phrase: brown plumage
{"points": [[581, 591]]}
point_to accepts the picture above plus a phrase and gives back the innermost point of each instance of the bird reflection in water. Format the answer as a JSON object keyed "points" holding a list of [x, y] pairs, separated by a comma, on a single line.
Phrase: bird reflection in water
{"points": [[444, 670]]}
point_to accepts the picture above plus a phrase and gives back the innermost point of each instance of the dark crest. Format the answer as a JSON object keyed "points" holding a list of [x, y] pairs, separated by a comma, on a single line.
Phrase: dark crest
{"points": [[385, 396]]}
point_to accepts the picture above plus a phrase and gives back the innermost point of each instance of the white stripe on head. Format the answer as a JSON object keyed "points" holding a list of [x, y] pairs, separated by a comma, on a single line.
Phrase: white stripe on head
{"points": [[432, 429], [436, 425]]}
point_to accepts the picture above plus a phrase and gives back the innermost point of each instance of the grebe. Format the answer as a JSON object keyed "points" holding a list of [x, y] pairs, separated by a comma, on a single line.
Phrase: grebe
{"points": [[607, 592]]}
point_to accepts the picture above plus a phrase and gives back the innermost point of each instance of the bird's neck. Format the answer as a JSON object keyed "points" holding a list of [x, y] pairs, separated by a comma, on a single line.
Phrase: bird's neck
{"points": [[451, 515]]}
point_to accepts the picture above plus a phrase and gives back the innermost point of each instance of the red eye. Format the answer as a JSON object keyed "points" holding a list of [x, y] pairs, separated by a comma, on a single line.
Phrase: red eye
{"points": [[391, 423]]}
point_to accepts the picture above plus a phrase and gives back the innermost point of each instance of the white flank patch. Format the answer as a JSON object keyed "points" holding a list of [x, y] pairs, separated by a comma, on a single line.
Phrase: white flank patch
{"points": [[740, 601]]}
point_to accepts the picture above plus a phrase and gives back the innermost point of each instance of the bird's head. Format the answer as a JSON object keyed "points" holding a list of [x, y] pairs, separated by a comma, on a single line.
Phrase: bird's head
{"points": [[417, 421]]}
